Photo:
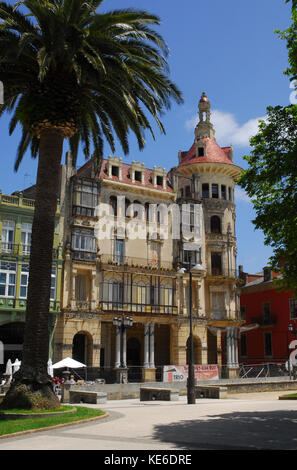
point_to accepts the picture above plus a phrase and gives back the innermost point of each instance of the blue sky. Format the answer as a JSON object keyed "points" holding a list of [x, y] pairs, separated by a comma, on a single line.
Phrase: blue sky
{"points": [[227, 49]]}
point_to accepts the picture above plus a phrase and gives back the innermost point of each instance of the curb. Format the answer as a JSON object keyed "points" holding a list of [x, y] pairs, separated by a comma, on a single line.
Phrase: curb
{"points": [[31, 431]]}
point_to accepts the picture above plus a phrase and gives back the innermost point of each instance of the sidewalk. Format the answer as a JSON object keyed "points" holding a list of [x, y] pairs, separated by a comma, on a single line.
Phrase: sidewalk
{"points": [[252, 421]]}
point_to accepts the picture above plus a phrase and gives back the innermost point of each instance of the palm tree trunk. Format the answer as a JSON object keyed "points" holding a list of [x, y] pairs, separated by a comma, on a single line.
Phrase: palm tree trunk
{"points": [[32, 386]]}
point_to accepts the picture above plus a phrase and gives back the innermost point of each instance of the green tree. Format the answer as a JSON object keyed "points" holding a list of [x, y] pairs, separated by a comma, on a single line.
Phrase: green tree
{"points": [[271, 178], [271, 182], [70, 72]]}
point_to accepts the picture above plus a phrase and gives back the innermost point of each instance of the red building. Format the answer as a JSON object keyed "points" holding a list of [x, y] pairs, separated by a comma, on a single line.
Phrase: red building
{"points": [[273, 311]]}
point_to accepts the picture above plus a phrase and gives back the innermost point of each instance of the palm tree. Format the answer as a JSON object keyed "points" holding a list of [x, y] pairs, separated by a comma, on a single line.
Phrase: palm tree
{"points": [[70, 72]]}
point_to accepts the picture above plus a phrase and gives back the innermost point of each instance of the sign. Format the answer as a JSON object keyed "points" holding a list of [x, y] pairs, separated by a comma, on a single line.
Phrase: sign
{"points": [[180, 373]]}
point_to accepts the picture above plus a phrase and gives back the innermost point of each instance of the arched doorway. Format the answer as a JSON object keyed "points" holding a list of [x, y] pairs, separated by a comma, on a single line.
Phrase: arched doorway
{"points": [[82, 348], [134, 359], [12, 337], [212, 353], [133, 352]]}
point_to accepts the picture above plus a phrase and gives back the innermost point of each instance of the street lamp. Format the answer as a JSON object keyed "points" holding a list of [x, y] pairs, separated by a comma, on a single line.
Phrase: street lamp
{"points": [[198, 269], [292, 328]]}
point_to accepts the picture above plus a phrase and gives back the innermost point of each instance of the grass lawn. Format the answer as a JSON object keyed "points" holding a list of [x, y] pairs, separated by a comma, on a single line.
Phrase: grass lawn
{"points": [[19, 425], [291, 395]]}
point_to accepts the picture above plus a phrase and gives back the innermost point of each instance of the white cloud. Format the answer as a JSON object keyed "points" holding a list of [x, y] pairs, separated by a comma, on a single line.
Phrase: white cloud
{"points": [[241, 195], [228, 130]]}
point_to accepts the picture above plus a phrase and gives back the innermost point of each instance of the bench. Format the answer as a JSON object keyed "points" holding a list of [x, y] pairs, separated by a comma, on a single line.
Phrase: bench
{"points": [[211, 391], [151, 393], [83, 396]]}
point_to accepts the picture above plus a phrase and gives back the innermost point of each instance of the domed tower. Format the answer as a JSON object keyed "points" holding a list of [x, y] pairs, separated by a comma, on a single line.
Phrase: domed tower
{"points": [[206, 175]]}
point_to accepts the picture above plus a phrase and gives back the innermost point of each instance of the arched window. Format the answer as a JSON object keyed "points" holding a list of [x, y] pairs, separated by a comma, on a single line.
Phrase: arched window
{"points": [[114, 205], [215, 224]]}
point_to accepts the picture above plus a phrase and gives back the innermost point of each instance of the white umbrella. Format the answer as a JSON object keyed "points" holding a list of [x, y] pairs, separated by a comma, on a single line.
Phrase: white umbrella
{"points": [[50, 368], [8, 368], [16, 365], [68, 362]]}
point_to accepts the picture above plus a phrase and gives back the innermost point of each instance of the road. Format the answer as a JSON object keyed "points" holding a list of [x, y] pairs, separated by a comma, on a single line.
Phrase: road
{"points": [[251, 421]]}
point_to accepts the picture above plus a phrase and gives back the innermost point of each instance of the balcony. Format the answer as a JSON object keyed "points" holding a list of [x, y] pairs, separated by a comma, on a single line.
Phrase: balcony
{"points": [[133, 262], [222, 273], [132, 307], [77, 255], [269, 320], [83, 211], [8, 248]]}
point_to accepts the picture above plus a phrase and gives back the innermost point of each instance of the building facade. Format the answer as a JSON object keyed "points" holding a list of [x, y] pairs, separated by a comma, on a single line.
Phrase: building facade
{"points": [[271, 312], [16, 217], [130, 235]]}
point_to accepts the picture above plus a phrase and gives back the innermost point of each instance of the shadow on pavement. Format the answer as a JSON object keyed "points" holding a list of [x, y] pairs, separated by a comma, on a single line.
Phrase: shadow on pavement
{"points": [[255, 431]]}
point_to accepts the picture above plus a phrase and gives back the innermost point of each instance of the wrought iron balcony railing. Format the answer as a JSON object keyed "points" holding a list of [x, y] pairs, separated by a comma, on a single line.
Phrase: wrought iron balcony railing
{"points": [[131, 261]]}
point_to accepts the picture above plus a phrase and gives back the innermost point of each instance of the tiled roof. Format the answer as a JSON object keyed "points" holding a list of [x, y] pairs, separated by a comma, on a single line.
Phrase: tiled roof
{"points": [[126, 168], [214, 153]]}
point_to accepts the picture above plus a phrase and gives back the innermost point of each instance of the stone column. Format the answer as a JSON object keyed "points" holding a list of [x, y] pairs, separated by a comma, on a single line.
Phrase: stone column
{"points": [[152, 345], [149, 371], [124, 349], [146, 346], [93, 291], [118, 348], [73, 296], [232, 352]]}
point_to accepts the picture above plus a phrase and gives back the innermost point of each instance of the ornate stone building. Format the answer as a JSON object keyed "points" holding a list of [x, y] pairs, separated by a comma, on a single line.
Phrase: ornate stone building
{"points": [[127, 231]]}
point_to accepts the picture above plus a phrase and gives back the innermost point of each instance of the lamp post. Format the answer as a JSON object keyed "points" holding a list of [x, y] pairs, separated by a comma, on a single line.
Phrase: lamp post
{"points": [[199, 270]]}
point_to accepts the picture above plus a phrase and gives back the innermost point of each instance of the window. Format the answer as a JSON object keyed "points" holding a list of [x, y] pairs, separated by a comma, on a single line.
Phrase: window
{"points": [[223, 192], [242, 312], [26, 238], [243, 344], [188, 191], [115, 170], [266, 311], [24, 281], [215, 224], [230, 194], [119, 250], [216, 264], [81, 287], [268, 344], [215, 191], [159, 180], [137, 176], [83, 240], [116, 292], [153, 295], [293, 308], [53, 283], [200, 151], [7, 279], [7, 235], [85, 197], [114, 205], [205, 190]]}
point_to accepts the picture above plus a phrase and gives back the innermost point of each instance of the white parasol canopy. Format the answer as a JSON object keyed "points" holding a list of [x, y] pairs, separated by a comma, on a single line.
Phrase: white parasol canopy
{"points": [[68, 362]]}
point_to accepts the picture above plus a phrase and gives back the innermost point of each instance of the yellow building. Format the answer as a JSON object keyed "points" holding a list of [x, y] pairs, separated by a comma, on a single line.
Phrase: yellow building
{"points": [[127, 232], [16, 218]]}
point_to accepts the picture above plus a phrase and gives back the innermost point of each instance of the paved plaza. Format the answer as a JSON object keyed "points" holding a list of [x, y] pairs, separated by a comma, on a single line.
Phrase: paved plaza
{"points": [[251, 421]]}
